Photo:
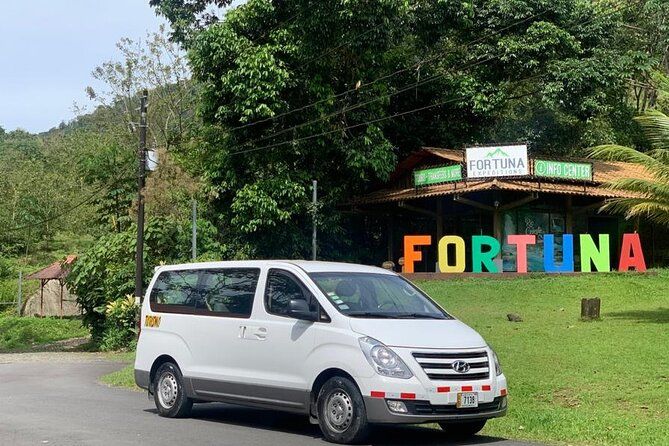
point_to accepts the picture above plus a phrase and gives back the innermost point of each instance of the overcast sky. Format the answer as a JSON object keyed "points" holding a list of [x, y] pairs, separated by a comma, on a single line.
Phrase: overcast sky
{"points": [[48, 49]]}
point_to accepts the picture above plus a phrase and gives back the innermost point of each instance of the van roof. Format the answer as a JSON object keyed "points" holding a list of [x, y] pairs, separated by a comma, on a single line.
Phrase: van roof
{"points": [[309, 266]]}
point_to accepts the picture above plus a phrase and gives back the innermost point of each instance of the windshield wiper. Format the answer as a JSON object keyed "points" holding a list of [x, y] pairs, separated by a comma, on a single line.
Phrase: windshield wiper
{"points": [[371, 314], [419, 316]]}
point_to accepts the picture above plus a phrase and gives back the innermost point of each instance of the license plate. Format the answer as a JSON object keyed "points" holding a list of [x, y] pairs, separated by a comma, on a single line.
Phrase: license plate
{"points": [[467, 399]]}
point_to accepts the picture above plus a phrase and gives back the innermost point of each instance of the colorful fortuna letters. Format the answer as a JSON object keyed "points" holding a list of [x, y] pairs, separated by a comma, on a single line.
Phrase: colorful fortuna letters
{"points": [[485, 249]]}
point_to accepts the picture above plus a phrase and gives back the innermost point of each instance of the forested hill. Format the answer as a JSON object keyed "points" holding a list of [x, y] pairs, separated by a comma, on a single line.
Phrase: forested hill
{"points": [[246, 109]]}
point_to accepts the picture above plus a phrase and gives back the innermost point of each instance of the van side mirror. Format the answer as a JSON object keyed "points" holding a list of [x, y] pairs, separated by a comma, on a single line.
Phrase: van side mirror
{"points": [[299, 309]]}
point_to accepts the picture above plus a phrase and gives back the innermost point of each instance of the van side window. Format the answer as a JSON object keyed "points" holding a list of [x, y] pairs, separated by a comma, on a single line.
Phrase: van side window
{"points": [[281, 287], [229, 291], [211, 292], [175, 289]]}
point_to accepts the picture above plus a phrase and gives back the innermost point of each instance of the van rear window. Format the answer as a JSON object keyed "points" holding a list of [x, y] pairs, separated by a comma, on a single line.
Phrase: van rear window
{"points": [[215, 292]]}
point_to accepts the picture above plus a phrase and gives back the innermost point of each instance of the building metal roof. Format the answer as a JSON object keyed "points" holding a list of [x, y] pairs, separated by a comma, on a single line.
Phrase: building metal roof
{"points": [[603, 172], [57, 270]]}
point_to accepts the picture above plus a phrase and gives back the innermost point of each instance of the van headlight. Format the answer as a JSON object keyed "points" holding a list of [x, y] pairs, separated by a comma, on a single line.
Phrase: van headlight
{"points": [[383, 360], [498, 368]]}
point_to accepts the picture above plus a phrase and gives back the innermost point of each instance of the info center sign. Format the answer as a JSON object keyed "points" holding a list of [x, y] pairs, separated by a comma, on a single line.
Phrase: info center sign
{"points": [[497, 161], [562, 169]]}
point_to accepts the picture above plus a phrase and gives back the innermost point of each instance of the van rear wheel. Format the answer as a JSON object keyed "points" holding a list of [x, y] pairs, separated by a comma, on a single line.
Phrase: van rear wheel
{"points": [[341, 411], [169, 392], [463, 429]]}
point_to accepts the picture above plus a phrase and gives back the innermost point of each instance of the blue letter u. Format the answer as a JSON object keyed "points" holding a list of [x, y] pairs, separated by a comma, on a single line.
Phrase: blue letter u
{"points": [[567, 254]]}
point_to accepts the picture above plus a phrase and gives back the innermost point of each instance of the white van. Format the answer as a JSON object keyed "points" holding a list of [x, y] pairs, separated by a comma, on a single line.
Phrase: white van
{"points": [[347, 345]]}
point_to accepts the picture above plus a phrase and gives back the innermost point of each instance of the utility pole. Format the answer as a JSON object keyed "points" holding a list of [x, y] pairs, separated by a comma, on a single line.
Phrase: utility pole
{"points": [[194, 238], [141, 154], [314, 200]]}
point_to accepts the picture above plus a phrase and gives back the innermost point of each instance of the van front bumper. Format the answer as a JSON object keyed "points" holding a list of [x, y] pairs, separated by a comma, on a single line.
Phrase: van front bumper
{"points": [[421, 411]]}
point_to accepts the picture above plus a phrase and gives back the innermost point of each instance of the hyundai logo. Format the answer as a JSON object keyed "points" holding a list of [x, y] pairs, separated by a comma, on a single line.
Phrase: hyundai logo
{"points": [[461, 366]]}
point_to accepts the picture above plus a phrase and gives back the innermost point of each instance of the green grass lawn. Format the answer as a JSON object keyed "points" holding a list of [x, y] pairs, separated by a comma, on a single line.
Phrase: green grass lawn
{"points": [[600, 383], [570, 382], [23, 333], [124, 377]]}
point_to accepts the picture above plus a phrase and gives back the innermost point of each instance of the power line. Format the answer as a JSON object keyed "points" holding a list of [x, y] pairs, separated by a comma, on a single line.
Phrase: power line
{"points": [[374, 121], [344, 110], [390, 75]]}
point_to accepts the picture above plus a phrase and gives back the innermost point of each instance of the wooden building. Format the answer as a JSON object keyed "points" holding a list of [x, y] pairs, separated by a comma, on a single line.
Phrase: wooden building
{"points": [[432, 192]]}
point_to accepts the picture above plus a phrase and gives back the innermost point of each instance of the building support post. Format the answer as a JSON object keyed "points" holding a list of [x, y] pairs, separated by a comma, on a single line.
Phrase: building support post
{"points": [[440, 219], [41, 297], [390, 232], [61, 297], [497, 224], [569, 223]]}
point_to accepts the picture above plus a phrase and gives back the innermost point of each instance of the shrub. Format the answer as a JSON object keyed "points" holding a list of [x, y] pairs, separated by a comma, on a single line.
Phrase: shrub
{"points": [[107, 269], [120, 329]]}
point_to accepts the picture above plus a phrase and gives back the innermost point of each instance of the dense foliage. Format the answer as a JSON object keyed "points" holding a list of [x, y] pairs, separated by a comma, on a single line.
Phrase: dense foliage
{"points": [[339, 91]]}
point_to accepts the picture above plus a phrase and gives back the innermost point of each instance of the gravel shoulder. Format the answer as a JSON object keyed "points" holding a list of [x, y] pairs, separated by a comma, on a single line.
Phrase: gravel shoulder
{"points": [[56, 357]]}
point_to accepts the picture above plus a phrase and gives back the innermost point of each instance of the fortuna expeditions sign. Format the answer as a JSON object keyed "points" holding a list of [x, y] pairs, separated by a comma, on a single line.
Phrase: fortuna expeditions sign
{"points": [[496, 161]]}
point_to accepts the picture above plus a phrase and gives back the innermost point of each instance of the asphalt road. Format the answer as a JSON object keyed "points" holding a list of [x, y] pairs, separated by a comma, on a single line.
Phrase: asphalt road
{"points": [[58, 401]]}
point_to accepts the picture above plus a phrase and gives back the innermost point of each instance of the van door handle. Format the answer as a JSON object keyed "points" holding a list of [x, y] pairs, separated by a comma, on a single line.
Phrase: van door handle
{"points": [[260, 333]]}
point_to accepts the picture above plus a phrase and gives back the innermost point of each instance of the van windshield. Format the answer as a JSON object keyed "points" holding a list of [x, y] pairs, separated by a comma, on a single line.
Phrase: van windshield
{"points": [[369, 295]]}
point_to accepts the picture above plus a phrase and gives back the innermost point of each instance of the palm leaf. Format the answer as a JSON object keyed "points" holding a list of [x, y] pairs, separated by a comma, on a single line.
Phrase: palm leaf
{"points": [[612, 152], [648, 188], [655, 211], [656, 128]]}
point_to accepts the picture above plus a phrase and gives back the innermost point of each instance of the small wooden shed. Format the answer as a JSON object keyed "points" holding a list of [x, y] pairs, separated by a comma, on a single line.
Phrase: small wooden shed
{"points": [[57, 271]]}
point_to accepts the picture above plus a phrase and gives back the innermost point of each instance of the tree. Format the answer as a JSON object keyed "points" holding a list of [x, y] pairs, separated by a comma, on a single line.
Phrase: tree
{"points": [[154, 64], [108, 137], [292, 91], [652, 201], [188, 16]]}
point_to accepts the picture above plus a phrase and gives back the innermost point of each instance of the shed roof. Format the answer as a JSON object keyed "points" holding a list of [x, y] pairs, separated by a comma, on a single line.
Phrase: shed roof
{"points": [[57, 270], [603, 172]]}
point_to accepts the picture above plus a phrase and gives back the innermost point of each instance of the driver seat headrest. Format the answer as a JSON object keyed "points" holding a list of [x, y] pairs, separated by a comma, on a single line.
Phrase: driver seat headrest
{"points": [[345, 288]]}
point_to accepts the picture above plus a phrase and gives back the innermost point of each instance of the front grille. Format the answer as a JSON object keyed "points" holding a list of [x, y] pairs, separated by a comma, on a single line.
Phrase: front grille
{"points": [[425, 408], [439, 365]]}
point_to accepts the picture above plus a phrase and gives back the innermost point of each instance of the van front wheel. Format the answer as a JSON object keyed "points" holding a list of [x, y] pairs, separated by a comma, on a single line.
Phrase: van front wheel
{"points": [[169, 393], [341, 411]]}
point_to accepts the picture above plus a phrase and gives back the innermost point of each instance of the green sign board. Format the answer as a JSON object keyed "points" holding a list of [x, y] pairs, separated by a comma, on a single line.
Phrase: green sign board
{"points": [[425, 177], [560, 169]]}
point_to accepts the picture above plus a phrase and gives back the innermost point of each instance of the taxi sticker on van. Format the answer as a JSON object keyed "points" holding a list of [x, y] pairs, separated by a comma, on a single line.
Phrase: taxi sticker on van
{"points": [[152, 321]]}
